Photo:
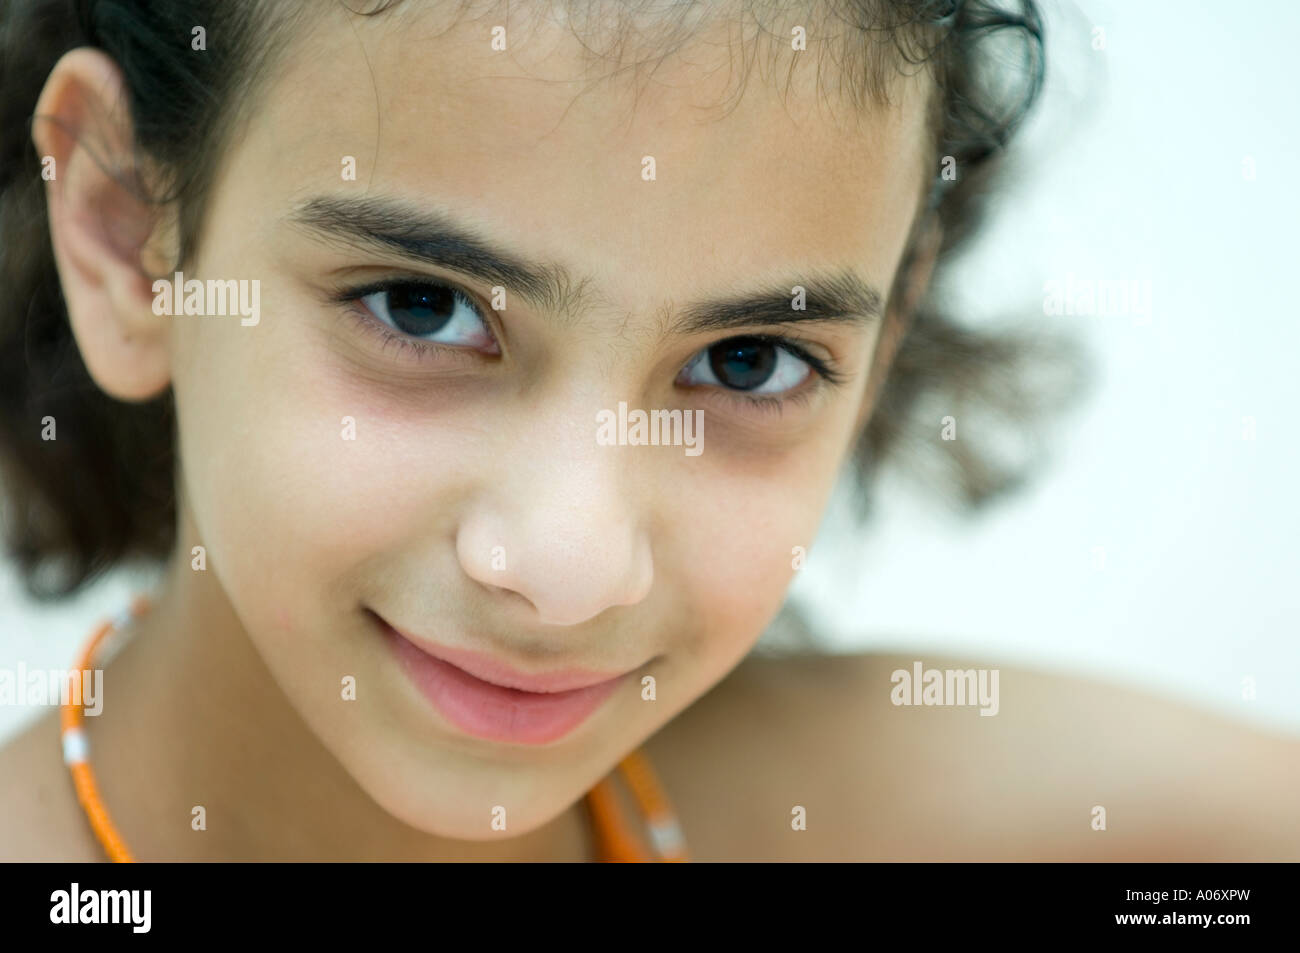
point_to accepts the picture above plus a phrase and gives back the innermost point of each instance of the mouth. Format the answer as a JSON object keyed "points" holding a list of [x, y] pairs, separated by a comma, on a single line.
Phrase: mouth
{"points": [[488, 699]]}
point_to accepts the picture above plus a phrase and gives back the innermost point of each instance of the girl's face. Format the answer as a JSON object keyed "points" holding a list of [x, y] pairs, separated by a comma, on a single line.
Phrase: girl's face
{"points": [[375, 454]]}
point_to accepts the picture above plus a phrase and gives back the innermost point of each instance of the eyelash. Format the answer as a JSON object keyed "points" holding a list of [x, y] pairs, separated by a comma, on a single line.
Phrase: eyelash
{"points": [[350, 300], [823, 372]]}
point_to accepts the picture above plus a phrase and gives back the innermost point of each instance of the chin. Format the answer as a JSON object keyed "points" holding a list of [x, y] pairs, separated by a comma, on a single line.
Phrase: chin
{"points": [[453, 804]]}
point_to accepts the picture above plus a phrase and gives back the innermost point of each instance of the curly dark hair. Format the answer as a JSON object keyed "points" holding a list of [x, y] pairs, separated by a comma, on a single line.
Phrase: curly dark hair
{"points": [[104, 490]]}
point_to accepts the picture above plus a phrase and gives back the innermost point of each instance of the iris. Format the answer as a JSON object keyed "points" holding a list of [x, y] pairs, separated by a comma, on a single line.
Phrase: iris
{"points": [[743, 363]]}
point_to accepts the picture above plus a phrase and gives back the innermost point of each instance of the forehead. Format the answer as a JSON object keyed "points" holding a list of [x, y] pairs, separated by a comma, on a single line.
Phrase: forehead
{"points": [[548, 147]]}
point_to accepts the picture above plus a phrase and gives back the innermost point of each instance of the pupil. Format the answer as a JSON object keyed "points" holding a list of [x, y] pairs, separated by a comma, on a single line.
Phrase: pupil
{"points": [[421, 310], [743, 363]]}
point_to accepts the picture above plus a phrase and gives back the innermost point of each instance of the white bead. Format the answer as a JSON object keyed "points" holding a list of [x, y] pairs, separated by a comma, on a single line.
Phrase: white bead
{"points": [[667, 837], [75, 747]]}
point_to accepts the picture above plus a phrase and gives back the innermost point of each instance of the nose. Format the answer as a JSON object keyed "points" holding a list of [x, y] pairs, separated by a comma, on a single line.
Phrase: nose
{"points": [[561, 528]]}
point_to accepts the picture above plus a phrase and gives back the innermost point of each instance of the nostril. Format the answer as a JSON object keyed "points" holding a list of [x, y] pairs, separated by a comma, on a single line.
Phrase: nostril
{"points": [[572, 617], [513, 596]]}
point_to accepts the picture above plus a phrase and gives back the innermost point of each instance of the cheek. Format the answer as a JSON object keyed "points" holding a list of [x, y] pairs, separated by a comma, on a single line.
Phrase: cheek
{"points": [[301, 472], [738, 530]]}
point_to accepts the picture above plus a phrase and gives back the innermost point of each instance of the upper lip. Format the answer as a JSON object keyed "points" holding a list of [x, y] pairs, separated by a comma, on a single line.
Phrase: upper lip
{"points": [[489, 669]]}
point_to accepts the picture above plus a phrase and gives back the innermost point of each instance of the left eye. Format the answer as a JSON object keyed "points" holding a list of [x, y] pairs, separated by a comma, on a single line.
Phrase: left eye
{"points": [[753, 365], [435, 313]]}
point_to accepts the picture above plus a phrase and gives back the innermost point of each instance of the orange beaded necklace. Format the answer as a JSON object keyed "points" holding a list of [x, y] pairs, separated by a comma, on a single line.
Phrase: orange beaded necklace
{"points": [[617, 841]]}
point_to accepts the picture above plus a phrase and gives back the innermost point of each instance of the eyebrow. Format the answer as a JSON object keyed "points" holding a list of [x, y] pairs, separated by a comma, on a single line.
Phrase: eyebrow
{"points": [[434, 237]]}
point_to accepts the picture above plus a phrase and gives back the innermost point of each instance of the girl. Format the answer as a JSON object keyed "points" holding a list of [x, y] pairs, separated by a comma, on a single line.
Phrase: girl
{"points": [[354, 295]]}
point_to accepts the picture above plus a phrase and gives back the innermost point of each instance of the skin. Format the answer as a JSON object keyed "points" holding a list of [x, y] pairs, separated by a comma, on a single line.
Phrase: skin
{"points": [[228, 693]]}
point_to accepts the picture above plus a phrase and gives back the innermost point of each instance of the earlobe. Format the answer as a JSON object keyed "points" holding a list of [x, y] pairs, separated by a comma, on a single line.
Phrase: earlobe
{"points": [[101, 225]]}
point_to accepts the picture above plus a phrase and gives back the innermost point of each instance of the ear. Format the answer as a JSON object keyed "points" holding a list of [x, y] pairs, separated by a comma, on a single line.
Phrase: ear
{"points": [[909, 290], [102, 224]]}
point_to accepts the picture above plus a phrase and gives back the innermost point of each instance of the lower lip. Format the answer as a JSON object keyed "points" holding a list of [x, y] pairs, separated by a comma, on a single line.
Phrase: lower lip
{"points": [[493, 712]]}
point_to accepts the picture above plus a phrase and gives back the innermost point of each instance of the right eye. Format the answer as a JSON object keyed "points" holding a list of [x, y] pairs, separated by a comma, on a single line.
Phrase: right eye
{"points": [[755, 365], [430, 312]]}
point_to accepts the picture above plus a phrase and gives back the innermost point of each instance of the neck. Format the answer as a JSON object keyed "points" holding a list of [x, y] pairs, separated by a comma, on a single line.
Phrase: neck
{"points": [[193, 718]]}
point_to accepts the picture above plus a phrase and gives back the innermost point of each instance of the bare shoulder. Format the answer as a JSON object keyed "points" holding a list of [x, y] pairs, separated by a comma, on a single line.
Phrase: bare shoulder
{"points": [[40, 819], [827, 742]]}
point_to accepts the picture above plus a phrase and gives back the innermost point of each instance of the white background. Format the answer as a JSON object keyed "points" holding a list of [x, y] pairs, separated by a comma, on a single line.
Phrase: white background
{"points": [[1133, 171]]}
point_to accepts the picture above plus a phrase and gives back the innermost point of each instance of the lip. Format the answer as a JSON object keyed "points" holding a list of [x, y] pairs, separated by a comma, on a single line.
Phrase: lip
{"points": [[488, 699]]}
